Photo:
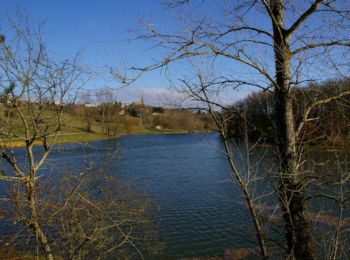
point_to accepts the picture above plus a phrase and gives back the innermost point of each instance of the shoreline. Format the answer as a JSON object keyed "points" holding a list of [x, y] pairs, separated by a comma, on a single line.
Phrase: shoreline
{"points": [[85, 137]]}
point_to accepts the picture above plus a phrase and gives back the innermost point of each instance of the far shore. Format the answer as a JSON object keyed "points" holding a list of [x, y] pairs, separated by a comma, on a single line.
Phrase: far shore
{"points": [[84, 137]]}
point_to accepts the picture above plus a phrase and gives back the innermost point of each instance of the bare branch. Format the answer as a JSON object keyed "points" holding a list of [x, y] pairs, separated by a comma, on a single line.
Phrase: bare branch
{"points": [[312, 9], [322, 44], [315, 104]]}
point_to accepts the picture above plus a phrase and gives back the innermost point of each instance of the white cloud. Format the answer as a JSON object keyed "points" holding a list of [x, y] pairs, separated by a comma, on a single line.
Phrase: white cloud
{"points": [[153, 96], [170, 97]]}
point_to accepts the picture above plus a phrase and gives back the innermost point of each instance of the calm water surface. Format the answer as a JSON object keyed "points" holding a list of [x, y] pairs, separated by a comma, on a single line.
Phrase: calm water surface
{"points": [[199, 208]]}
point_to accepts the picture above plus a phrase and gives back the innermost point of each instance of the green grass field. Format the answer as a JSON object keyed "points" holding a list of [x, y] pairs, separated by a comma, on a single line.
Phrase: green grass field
{"points": [[74, 130]]}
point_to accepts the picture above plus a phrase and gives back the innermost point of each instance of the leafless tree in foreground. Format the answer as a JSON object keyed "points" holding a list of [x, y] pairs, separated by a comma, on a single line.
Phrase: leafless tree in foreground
{"points": [[90, 214], [271, 45], [80, 212], [246, 176], [34, 91]]}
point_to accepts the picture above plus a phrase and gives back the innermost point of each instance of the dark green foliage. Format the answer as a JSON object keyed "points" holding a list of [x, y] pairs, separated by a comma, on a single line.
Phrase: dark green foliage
{"points": [[157, 110], [133, 112]]}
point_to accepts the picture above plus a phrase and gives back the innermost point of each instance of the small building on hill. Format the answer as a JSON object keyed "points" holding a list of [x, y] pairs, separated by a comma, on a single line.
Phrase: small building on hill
{"points": [[139, 103], [90, 105]]}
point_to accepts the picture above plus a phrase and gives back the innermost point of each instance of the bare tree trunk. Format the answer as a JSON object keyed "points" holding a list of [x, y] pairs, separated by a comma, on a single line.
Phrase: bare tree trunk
{"points": [[291, 191], [298, 232], [108, 120], [242, 183], [40, 235], [257, 225], [34, 224], [103, 119]]}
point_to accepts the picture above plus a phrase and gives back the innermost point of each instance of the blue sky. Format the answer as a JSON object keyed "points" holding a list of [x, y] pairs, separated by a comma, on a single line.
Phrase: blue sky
{"points": [[103, 30], [100, 29]]}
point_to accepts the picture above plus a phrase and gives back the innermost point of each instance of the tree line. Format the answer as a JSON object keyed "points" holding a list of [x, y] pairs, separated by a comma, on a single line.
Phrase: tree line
{"points": [[328, 124]]}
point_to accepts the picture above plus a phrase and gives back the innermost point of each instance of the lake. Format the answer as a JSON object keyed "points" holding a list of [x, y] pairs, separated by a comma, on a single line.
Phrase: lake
{"points": [[200, 211], [199, 208]]}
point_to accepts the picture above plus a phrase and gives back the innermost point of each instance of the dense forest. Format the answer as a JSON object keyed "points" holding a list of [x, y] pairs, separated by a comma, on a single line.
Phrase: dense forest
{"points": [[329, 123]]}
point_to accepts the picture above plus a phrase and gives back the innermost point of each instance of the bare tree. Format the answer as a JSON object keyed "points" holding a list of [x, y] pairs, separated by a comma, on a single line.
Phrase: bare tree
{"points": [[271, 45], [35, 90], [94, 215], [78, 211], [106, 100], [244, 176]]}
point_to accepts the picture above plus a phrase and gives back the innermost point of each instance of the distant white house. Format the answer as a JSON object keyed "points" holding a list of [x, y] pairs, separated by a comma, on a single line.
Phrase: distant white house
{"points": [[90, 105], [124, 105]]}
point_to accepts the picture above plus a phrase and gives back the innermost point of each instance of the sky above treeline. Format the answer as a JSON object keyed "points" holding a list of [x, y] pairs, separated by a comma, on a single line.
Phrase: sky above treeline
{"points": [[100, 30], [104, 32]]}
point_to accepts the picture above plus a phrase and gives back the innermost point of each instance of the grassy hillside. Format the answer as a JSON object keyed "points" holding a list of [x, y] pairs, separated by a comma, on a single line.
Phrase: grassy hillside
{"points": [[83, 124]]}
